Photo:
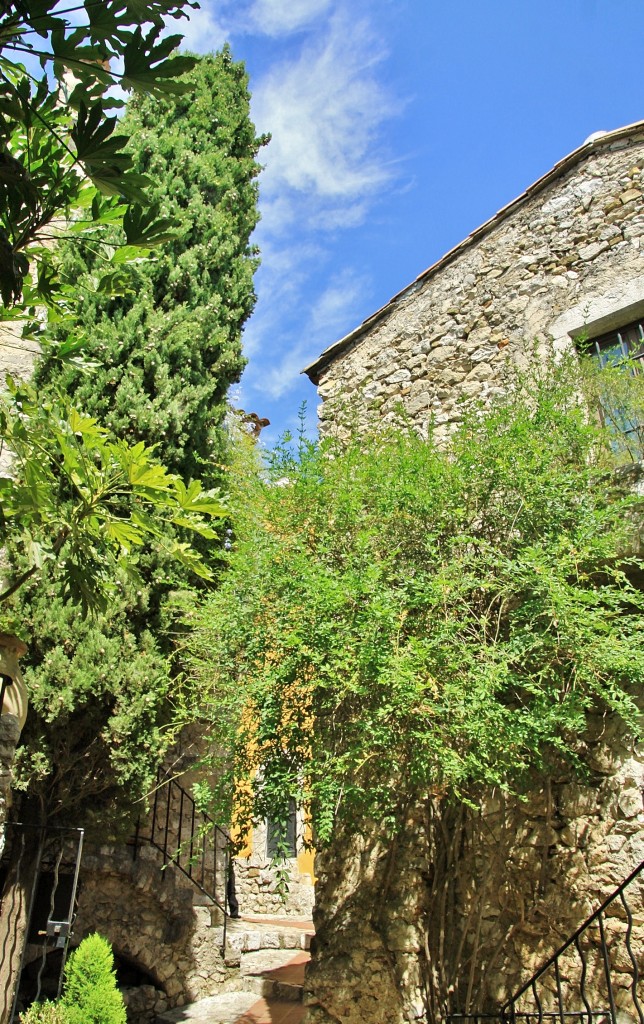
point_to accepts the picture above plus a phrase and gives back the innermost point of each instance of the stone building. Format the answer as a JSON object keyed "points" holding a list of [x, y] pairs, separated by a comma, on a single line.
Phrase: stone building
{"points": [[561, 261], [13, 712], [256, 881], [17, 357]]}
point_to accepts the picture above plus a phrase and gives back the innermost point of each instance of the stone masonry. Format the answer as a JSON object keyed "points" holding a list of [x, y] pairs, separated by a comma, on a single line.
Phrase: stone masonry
{"points": [[9, 736], [462, 907], [17, 358], [257, 882], [154, 924], [562, 259]]}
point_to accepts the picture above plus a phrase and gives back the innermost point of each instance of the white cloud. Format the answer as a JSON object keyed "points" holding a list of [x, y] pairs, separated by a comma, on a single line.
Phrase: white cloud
{"points": [[329, 313], [280, 17], [327, 319], [319, 90], [325, 109], [325, 106], [203, 32], [215, 22], [282, 282]]}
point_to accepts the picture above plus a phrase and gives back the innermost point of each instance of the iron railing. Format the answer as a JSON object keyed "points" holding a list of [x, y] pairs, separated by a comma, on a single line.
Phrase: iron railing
{"points": [[581, 982], [187, 838], [42, 864]]}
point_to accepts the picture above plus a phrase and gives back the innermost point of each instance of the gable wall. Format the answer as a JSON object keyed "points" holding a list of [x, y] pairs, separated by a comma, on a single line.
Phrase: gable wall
{"points": [[568, 257]]}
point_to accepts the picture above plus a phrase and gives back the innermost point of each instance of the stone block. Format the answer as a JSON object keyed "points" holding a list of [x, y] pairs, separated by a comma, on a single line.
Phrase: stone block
{"points": [[416, 403], [590, 252], [630, 802], [251, 941]]}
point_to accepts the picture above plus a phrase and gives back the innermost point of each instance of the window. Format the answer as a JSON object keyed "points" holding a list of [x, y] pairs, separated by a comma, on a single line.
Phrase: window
{"points": [[614, 347], [281, 841], [623, 348]]}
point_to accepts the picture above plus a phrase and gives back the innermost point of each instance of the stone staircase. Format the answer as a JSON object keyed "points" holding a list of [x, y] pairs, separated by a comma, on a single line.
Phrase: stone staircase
{"points": [[271, 955]]}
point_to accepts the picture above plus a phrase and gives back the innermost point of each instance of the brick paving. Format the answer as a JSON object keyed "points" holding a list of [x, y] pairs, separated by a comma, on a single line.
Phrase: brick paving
{"points": [[303, 923]]}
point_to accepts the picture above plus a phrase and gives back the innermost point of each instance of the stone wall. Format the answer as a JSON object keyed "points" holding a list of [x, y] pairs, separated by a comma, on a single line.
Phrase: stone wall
{"points": [[461, 907], [17, 358], [9, 736], [257, 883], [563, 259], [155, 924]]}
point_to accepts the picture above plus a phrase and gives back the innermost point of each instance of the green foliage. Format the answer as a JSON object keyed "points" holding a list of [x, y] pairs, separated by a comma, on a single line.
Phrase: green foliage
{"points": [[83, 500], [165, 341], [399, 618], [616, 391], [99, 694], [44, 142], [165, 338], [45, 1013], [90, 995]]}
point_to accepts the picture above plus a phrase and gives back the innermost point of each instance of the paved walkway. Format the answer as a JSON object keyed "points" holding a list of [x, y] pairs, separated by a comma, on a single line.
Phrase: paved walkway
{"points": [[303, 923], [269, 1011]]}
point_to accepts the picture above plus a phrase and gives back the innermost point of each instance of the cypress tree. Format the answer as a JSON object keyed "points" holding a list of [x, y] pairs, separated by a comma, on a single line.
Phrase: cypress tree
{"points": [[168, 347], [166, 340]]}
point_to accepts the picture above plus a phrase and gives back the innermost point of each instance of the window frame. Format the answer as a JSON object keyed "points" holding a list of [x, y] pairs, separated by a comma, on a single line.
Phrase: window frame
{"points": [[623, 344], [290, 839]]}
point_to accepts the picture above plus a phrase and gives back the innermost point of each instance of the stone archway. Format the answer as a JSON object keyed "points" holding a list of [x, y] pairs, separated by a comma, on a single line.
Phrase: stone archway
{"points": [[155, 924]]}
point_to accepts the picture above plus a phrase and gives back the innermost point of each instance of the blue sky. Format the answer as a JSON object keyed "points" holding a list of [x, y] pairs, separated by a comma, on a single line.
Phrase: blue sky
{"points": [[398, 127]]}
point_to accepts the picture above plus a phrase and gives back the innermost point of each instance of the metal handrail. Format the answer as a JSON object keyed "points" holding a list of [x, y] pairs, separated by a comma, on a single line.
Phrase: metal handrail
{"points": [[598, 916], [201, 852], [510, 1013]]}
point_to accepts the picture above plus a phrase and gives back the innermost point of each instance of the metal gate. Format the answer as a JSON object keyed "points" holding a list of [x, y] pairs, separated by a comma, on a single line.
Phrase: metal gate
{"points": [[40, 866]]}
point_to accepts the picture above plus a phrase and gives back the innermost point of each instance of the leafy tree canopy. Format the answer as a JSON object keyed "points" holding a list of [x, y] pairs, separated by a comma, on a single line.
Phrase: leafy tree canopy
{"points": [[400, 619], [165, 334], [60, 150], [90, 994], [85, 500]]}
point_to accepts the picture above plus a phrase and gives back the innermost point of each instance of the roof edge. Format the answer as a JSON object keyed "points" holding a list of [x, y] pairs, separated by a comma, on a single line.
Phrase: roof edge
{"points": [[314, 369]]}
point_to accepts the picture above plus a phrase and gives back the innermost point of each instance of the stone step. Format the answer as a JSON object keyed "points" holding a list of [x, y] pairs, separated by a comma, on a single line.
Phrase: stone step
{"points": [[270, 960], [274, 973], [225, 1008], [251, 935], [273, 1011], [270, 988], [238, 1008]]}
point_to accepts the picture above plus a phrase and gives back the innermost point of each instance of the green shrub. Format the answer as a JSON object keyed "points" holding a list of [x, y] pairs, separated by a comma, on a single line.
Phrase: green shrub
{"points": [[90, 993], [401, 617], [46, 1013]]}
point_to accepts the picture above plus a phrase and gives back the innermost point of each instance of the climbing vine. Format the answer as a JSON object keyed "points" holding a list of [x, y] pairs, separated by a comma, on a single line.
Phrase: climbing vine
{"points": [[401, 618]]}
